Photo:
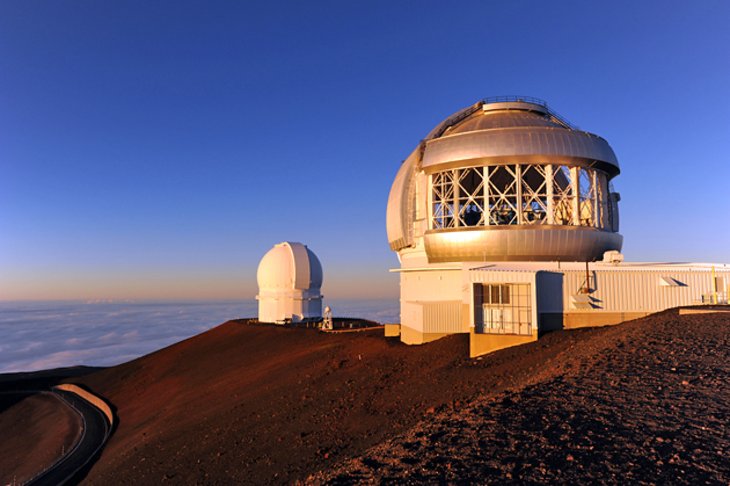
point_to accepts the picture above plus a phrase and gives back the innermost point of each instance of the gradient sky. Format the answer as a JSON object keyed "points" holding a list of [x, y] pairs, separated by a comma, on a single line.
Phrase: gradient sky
{"points": [[159, 149]]}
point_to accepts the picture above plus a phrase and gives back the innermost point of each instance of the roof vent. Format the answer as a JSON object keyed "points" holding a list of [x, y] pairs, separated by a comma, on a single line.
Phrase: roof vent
{"points": [[613, 256]]}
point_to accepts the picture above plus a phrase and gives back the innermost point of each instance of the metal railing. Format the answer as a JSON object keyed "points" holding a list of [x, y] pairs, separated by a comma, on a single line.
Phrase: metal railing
{"points": [[534, 101], [715, 298], [465, 113]]}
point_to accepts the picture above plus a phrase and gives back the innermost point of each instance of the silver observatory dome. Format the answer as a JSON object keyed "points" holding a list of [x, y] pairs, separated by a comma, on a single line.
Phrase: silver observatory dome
{"points": [[505, 179]]}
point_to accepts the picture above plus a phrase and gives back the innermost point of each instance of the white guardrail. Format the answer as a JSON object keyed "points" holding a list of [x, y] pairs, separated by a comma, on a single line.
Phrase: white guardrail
{"points": [[91, 398]]}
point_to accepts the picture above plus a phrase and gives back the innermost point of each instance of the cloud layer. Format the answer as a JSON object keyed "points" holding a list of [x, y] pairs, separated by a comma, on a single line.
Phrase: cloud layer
{"points": [[42, 335]]}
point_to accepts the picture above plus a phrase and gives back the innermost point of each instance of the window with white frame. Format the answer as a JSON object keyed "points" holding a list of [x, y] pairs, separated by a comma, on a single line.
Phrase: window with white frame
{"points": [[520, 194], [503, 308]]}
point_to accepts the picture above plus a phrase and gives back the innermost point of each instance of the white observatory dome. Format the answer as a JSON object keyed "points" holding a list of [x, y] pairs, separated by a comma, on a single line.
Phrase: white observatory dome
{"points": [[289, 278]]}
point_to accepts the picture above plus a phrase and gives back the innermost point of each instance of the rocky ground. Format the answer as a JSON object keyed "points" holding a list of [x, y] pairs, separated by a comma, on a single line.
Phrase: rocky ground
{"points": [[647, 402], [643, 402]]}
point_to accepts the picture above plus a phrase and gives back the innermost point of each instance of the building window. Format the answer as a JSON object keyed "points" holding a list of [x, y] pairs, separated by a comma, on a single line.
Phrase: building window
{"points": [[587, 190], [534, 194], [470, 197], [442, 212], [563, 196], [502, 200], [520, 194], [503, 309]]}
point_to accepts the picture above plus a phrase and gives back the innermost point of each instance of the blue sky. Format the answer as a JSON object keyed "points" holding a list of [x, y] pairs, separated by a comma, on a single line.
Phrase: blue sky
{"points": [[159, 149]]}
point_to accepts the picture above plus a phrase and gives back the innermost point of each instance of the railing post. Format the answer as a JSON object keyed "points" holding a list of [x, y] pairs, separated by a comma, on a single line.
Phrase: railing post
{"points": [[549, 194], [575, 189], [518, 180]]}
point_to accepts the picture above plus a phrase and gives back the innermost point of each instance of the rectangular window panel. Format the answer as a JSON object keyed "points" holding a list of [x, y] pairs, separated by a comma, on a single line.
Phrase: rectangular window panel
{"points": [[503, 195], [562, 195], [505, 309], [534, 194], [587, 197]]}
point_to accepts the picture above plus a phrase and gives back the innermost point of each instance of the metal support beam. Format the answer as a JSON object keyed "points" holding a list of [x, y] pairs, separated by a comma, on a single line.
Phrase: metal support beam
{"points": [[457, 191], [596, 202], [487, 210], [575, 189], [429, 192], [518, 181], [549, 194]]}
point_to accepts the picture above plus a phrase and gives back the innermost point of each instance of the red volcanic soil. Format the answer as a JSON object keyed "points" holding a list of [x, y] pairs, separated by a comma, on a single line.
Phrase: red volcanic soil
{"points": [[647, 401], [35, 429]]}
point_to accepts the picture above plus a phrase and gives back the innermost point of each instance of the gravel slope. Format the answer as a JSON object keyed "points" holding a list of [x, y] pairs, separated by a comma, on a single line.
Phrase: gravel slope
{"points": [[647, 402]]}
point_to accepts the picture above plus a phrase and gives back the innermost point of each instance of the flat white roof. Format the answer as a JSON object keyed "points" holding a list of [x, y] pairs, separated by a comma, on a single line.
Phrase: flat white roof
{"points": [[604, 266]]}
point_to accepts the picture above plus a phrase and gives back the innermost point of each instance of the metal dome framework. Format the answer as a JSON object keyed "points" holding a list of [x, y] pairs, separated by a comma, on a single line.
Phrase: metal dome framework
{"points": [[517, 194], [500, 165]]}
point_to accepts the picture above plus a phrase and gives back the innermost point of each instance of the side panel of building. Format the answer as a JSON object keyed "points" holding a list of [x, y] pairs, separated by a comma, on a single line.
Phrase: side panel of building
{"points": [[431, 305], [431, 285], [624, 294], [442, 317]]}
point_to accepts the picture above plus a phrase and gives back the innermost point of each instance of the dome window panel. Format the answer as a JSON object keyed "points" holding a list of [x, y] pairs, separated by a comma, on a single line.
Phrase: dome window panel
{"points": [[471, 197], [587, 198], [502, 200], [520, 194], [443, 200], [534, 194], [563, 195], [602, 196]]}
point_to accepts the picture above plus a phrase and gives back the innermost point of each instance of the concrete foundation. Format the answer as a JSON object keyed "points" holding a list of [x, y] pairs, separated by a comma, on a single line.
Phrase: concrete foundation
{"points": [[391, 330], [575, 320], [481, 344], [413, 336], [683, 312]]}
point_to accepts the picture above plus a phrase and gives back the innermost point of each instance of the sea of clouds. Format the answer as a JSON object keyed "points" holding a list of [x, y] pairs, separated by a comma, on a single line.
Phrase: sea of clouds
{"points": [[42, 335]]}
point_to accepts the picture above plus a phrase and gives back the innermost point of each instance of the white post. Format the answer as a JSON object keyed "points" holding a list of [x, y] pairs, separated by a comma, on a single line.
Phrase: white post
{"points": [[549, 191], [596, 202], [456, 174], [429, 197], [487, 212], [575, 189], [518, 179]]}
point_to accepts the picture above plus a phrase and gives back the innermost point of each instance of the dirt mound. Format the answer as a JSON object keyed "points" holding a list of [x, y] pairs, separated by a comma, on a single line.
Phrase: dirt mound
{"points": [[266, 404]]}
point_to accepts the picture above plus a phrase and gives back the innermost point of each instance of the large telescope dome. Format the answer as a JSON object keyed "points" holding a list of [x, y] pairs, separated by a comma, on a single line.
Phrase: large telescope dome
{"points": [[506, 179]]}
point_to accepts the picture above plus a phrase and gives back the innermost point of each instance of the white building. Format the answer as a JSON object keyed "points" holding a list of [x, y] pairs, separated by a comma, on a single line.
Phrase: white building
{"points": [[505, 223], [289, 278]]}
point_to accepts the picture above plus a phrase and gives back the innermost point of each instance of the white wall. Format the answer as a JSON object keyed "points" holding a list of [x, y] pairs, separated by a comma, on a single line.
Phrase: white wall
{"points": [[629, 290]]}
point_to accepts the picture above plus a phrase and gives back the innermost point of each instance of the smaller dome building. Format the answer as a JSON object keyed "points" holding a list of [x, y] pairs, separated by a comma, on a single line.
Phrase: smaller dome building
{"points": [[289, 277]]}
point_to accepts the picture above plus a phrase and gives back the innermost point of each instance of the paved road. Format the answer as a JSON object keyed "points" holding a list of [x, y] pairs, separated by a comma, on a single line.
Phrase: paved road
{"points": [[71, 468]]}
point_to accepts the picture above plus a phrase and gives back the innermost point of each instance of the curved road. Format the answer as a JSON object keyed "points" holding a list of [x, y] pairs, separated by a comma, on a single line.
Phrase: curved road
{"points": [[94, 434]]}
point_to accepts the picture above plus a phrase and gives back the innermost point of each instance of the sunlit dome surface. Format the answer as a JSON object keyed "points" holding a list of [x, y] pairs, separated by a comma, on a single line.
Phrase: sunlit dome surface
{"points": [[506, 179], [289, 278], [289, 265], [506, 119]]}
